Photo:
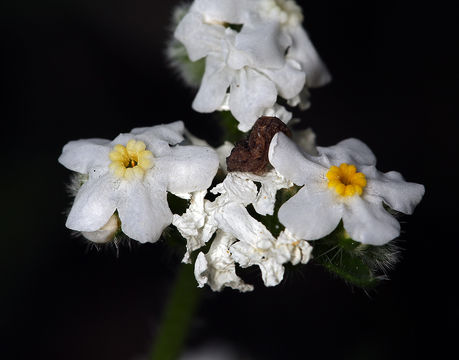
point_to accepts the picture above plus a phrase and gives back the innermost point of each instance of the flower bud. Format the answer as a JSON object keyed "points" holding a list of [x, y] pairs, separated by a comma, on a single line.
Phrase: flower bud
{"points": [[106, 233]]}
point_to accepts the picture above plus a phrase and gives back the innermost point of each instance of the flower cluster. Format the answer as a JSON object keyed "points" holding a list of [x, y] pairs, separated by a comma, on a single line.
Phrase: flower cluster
{"points": [[258, 60], [254, 51]]}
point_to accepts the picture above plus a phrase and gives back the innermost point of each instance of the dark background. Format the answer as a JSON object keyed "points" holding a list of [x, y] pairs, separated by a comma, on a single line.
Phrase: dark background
{"points": [[79, 68]]}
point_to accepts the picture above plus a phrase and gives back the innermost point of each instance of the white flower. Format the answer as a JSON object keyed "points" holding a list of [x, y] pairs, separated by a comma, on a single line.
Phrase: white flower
{"points": [[131, 175], [251, 63], [217, 267], [341, 183], [271, 56]]}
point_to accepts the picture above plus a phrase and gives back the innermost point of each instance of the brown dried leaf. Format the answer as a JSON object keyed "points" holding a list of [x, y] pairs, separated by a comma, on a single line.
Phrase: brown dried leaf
{"points": [[251, 155]]}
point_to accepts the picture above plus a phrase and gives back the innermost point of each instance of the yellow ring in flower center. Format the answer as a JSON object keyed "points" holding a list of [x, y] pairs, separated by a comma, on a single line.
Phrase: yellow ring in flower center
{"points": [[346, 180], [130, 161]]}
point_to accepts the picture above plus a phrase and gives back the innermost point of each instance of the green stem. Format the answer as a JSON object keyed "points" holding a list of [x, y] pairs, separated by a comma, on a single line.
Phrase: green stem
{"points": [[177, 316]]}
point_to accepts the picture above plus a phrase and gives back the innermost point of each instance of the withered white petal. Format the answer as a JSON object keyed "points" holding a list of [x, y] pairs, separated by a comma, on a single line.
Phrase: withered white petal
{"points": [[194, 225], [217, 267]]}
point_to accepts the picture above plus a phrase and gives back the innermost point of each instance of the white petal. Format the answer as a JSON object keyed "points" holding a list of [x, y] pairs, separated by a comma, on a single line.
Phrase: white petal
{"points": [[304, 52], [157, 138], [264, 43], [194, 225], [83, 155], [235, 220], [271, 182], [300, 250], [172, 133], [280, 112], [106, 233], [94, 204], [214, 85], [235, 188], [289, 79], [369, 223], [188, 168], [290, 162], [350, 151], [312, 213], [223, 152], [251, 93], [394, 190], [272, 271], [256, 245], [200, 270], [217, 268], [143, 210], [231, 11], [199, 38]]}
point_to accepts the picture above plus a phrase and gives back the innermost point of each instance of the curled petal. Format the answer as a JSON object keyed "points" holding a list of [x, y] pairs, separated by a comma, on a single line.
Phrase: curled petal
{"points": [[399, 194], [272, 270], [270, 182], [369, 223], [94, 204], [351, 151], [194, 225], [217, 267], [235, 188], [300, 250]]}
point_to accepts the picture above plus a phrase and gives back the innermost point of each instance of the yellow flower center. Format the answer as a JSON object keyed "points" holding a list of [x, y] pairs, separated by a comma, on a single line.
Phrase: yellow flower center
{"points": [[130, 161], [346, 180]]}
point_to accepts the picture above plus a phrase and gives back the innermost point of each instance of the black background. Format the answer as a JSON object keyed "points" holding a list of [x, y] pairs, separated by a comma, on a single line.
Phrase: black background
{"points": [[79, 69]]}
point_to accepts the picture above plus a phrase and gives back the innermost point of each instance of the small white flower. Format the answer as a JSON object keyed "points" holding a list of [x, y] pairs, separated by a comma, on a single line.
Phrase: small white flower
{"points": [[131, 175], [251, 63], [341, 183]]}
